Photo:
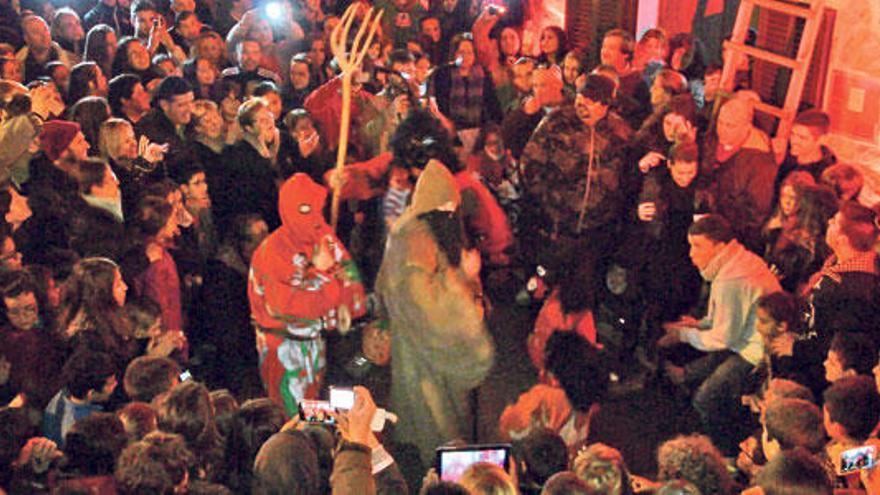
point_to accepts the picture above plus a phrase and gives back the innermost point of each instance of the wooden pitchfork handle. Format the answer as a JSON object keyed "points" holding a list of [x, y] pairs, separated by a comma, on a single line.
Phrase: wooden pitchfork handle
{"points": [[349, 62]]}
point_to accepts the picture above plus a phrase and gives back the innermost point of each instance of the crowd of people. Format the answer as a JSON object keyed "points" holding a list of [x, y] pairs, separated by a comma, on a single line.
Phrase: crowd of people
{"points": [[176, 279]]}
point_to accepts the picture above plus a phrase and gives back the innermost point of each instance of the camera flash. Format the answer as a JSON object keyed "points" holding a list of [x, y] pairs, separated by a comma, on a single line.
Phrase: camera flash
{"points": [[274, 10]]}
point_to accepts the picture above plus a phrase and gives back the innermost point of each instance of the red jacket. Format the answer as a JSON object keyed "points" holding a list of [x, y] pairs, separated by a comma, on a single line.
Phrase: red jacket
{"points": [[285, 288], [483, 217], [325, 106]]}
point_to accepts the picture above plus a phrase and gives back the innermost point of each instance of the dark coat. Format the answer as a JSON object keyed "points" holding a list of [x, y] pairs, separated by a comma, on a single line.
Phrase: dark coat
{"points": [[791, 259], [741, 188], [633, 99], [244, 182], [790, 165], [96, 232], [134, 177], [517, 127], [669, 279], [53, 197], [159, 129], [291, 161]]}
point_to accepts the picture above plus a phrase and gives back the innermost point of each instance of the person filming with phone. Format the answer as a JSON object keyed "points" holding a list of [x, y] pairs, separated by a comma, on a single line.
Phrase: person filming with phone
{"points": [[149, 27], [362, 465]]}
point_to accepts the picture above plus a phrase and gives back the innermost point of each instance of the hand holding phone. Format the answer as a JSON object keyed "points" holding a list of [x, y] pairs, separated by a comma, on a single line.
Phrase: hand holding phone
{"points": [[452, 462], [341, 398], [316, 411], [864, 457]]}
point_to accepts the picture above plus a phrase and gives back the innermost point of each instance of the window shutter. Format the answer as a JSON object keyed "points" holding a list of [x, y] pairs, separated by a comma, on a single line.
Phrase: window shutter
{"points": [[780, 33], [587, 21]]}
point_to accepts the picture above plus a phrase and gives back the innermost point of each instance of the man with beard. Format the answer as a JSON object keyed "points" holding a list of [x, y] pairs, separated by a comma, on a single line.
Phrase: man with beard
{"points": [[572, 174], [430, 289]]}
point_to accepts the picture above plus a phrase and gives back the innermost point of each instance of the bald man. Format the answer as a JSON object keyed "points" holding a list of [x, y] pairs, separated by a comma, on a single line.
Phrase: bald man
{"points": [[518, 125], [39, 49], [742, 168]]}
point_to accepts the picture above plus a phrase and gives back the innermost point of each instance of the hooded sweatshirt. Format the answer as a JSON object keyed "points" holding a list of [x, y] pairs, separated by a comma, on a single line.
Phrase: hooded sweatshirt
{"points": [[738, 277], [286, 290]]}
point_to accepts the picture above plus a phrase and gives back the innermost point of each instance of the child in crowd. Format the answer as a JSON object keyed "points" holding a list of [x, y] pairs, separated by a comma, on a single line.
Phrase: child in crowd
{"points": [[397, 197]]}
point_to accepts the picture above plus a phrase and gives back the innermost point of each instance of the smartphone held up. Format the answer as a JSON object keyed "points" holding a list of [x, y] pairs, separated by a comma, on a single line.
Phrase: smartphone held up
{"points": [[852, 460]]}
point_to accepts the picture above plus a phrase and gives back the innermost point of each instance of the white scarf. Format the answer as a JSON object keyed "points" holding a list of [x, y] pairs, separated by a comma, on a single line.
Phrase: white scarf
{"points": [[112, 205]]}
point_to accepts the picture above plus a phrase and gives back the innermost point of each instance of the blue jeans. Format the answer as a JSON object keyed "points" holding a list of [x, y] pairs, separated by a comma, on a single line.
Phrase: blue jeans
{"points": [[723, 378]]}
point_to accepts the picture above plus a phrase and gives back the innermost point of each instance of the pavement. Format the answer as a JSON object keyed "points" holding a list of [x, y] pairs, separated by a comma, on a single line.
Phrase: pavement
{"points": [[641, 412]]}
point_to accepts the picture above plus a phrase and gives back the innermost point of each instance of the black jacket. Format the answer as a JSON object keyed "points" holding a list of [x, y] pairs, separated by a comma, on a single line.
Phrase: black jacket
{"points": [[243, 182], [96, 232], [158, 129], [53, 197]]}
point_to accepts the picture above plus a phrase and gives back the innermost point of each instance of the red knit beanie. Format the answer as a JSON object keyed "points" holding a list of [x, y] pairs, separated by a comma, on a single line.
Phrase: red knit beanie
{"points": [[57, 136]]}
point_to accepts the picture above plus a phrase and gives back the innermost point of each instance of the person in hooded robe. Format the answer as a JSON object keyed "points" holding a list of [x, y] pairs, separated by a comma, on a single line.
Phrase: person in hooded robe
{"points": [[302, 283], [429, 288]]}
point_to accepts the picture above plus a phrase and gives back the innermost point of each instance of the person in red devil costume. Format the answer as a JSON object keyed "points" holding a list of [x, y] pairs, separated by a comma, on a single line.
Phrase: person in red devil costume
{"points": [[302, 283]]}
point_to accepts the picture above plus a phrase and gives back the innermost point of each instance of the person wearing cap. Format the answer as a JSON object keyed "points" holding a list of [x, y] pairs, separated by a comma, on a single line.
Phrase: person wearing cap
{"points": [[572, 167], [52, 189], [63, 146]]}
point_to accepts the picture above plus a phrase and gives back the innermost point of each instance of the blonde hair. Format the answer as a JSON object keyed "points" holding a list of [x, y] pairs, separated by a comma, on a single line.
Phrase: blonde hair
{"points": [[194, 52], [247, 112], [109, 141], [485, 478], [602, 468]]}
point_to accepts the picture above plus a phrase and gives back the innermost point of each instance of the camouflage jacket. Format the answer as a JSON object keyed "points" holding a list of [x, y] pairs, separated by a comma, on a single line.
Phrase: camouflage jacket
{"points": [[555, 163]]}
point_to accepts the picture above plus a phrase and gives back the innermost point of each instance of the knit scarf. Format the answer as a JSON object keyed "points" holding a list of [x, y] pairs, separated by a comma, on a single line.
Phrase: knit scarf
{"points": [[833, 269], [712, 269], [466, 97]]}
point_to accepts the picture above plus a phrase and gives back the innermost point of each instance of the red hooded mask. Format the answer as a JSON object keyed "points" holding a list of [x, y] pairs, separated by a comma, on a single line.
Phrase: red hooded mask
{"points": [[301, 206]]}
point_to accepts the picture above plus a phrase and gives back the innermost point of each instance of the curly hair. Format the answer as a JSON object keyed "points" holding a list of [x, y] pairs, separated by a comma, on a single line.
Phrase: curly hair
{"points": [[419, 138], [176, 458], [139, 470], [187, 411], [603, 469], [694, 458], [487, 479]]}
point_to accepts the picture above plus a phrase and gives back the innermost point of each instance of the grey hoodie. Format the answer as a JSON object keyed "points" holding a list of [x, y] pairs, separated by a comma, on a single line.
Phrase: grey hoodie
{"points": [[739, 277]]}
